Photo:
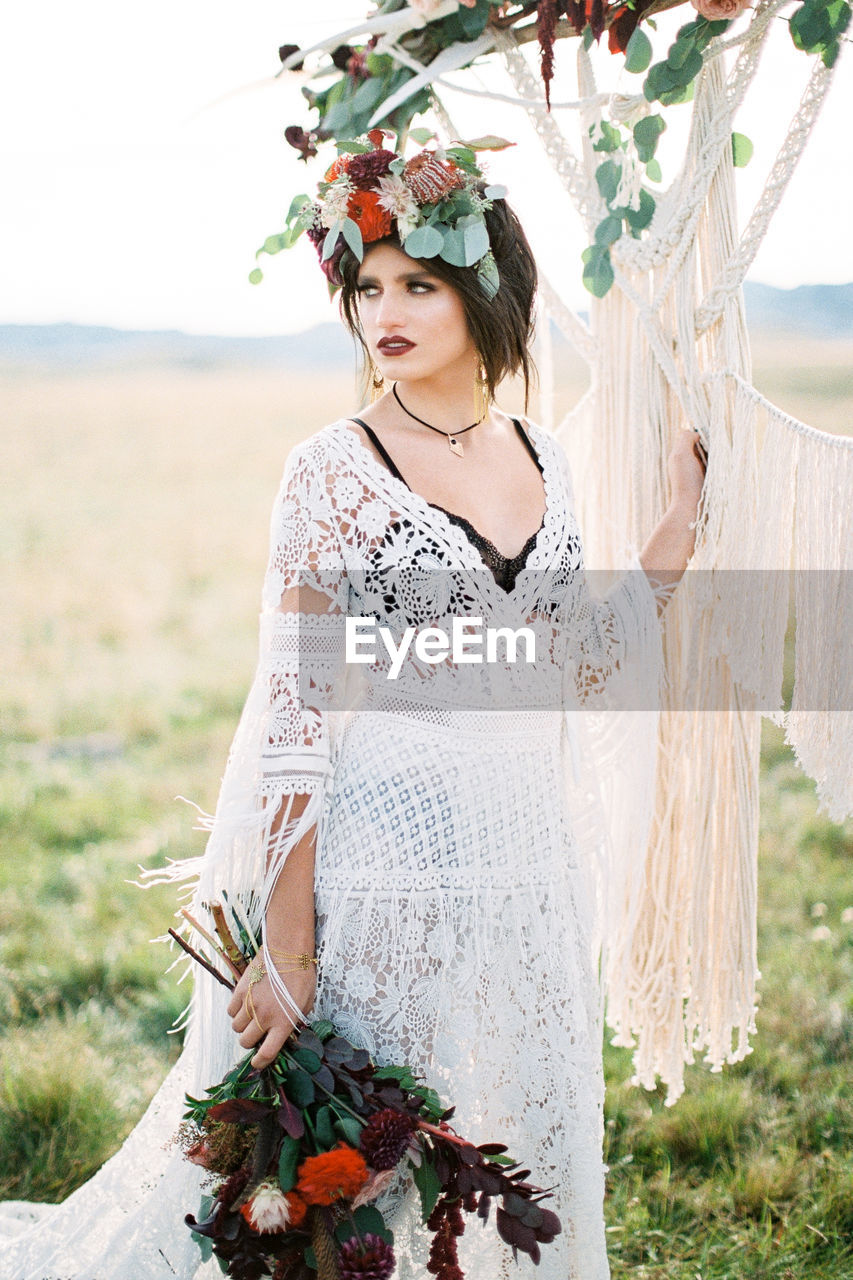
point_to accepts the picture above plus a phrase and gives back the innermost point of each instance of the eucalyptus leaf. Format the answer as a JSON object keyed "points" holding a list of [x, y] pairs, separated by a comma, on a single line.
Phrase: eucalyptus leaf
{"points": [[453, 248], [256, 276], [607, 176], [489, 276], [741, 150], [598, 271], [608, 231], [653, 171], [638, 52], [421, 136], [353, 237], [423, 242], [638, 219], [476, 241], [646, 134], [297, 204], [352, 146], [495, 192], [489, 142], [330, 241], [299, 1088], [350, 1128]]}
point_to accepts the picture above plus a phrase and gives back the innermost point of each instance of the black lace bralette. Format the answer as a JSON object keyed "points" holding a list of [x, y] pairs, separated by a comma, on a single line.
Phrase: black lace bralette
{"points": [[504, 569]]}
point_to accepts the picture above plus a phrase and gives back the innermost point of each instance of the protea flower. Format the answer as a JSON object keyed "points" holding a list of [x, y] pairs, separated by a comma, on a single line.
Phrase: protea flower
{"points": [[268, 1209], [429, 178], [369, 1258]]}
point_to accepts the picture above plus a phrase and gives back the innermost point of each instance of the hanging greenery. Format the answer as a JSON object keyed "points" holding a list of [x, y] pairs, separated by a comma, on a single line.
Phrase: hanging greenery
{"points": [[366, 76]]}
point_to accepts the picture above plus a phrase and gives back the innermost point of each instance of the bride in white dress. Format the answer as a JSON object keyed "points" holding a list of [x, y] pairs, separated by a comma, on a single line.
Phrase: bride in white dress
{"points": [[417, 829]]}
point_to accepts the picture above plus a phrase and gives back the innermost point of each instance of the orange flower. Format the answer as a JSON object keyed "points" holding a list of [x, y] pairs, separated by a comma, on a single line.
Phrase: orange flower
{"points": [[334, 1175], [374, 221], [337, 167]]}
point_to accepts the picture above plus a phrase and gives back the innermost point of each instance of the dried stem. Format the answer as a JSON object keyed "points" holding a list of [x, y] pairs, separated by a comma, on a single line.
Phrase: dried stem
{"points": [[182, 942]]}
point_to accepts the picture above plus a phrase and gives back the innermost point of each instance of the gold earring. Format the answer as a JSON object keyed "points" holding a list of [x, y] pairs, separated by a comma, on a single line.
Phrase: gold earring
{"points": [[481, 392], [377, 383]]}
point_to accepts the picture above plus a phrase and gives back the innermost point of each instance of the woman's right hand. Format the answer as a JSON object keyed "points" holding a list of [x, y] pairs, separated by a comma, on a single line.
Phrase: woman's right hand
{"points": [[257, 1016]]}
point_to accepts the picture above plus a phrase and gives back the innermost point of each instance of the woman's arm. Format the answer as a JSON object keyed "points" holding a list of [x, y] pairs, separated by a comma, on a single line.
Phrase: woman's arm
{"points": [[670, 544], [289, 926]]}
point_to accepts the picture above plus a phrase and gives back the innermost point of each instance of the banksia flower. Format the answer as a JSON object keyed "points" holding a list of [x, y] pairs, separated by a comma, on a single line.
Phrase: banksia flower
{"points": [[385, 1138], [367, 1259], [429, 178]]}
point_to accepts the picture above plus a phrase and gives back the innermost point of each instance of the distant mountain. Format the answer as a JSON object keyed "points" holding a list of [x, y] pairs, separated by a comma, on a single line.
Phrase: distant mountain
{"points": [[815, 310], [88, 347]]}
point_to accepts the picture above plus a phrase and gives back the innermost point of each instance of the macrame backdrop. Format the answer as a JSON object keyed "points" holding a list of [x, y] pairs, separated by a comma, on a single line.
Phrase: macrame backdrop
{"points": [[668, 347]]}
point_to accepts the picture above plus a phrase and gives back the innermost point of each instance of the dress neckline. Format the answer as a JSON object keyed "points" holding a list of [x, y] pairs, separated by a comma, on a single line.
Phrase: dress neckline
{"points": [[508, 564]]}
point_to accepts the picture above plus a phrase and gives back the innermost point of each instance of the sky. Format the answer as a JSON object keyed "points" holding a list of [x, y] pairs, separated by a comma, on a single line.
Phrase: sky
{"points": [[143, 162]]}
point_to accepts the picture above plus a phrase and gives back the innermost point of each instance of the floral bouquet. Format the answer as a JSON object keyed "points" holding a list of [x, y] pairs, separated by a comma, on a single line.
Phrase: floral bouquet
{"points": [[298, 1152]]}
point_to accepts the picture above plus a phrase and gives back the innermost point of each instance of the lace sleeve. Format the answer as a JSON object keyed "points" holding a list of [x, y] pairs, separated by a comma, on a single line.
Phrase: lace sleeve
{"points": [[273, 788]]}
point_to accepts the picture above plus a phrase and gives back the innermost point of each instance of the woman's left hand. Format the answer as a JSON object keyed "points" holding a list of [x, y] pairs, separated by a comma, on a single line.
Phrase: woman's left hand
{"points": [[686, 469]]}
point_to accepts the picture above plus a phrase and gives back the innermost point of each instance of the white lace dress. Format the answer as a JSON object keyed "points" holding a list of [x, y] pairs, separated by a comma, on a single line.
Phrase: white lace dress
{"points": [[459, 910]]}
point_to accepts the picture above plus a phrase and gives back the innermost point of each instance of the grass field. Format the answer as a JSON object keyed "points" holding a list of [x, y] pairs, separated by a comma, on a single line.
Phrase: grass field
{"points": [[133, 544]]}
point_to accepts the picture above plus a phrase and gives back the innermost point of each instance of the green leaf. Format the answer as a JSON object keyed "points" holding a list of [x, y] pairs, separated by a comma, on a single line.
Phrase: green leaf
{"points": [[423, 242], [646, 135], [489, 142], [256, 276], [330, 241], [684, 93], [299, 1088], [296, 206], [638, 53], [598, 270], [588, 38], [453, 248], [608, 231], [274, 244], [367, 1218], [610, 140], [679, 53], [325, 1127], [310, 1258], [476, 242], [350, 1128], [637, 219], [689, 70], [421, 136], [352, 147], [427, 1182], [288, 1162], [741, 150], [495, 192], [653, 171], [353, 237], [607, 176]]}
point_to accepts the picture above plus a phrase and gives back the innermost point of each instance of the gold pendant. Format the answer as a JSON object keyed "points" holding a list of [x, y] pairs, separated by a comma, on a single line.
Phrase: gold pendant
{"points": [[455, 446]]}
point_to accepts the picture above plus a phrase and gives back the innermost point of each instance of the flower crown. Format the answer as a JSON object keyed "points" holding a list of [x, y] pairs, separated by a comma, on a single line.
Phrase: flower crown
{"points": [[432, 201]]}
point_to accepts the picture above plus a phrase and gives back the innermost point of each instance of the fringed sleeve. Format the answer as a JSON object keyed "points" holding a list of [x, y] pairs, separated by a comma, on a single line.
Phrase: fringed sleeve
{"points": [[272, 792]]}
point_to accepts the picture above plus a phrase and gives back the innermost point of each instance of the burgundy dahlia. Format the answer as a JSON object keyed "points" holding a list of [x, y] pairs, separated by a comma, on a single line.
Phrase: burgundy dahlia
{"points": [[368, 167], [369, 1258], [385, 1137]]}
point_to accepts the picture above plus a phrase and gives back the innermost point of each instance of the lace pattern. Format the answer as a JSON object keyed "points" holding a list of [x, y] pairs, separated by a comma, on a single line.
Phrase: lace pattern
{"points": [[459, 914]]}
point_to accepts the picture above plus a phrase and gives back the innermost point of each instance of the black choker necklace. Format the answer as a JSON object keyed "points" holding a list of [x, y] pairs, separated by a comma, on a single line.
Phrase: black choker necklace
{"points": [[455, 446]]}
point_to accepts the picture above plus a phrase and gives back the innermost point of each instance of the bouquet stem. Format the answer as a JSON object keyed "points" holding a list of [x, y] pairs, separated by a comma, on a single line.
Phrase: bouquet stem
{"points": [[325, 1248]]}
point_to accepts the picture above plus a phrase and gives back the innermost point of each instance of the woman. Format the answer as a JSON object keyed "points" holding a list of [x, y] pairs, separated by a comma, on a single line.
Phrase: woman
{"points": [[408, 816]]}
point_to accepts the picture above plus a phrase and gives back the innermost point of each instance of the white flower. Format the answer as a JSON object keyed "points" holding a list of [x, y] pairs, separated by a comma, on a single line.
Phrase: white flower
{"points": [[821, 934], [396, 197], [818, 910], [335, 204], [847, 915], [267, 1209]]}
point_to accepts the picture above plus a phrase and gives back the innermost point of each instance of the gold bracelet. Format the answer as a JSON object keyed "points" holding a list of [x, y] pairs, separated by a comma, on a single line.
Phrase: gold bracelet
{"points": [[302, 957]]}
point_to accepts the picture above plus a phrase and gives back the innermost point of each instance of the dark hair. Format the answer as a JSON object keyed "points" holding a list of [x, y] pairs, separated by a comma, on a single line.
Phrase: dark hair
{"points": [[501, 327]]}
